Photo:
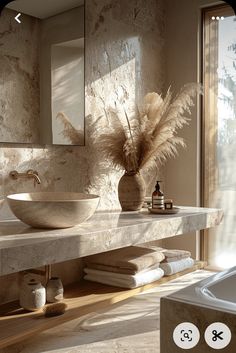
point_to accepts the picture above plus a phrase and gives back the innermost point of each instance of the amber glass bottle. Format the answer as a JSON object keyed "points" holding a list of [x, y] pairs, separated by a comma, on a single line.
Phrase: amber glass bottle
{"points": [[158, 197]]}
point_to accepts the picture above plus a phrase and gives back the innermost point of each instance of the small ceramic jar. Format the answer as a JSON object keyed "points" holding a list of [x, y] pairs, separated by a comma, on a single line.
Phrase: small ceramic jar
{"points": [[32, 295], [168, 204], [54, 290]]}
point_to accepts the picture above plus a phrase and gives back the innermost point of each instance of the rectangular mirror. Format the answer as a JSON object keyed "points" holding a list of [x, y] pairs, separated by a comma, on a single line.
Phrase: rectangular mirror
{"points": [[42, 72]]}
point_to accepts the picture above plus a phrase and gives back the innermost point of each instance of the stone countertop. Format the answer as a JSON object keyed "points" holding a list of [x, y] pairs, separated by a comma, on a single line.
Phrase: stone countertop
{"points": [[22, 247]]}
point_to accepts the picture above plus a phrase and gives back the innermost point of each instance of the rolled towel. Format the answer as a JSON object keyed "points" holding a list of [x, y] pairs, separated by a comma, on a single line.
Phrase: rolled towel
{"points": [[130, 260], [175, 255], [176, 266], [122, 280]]}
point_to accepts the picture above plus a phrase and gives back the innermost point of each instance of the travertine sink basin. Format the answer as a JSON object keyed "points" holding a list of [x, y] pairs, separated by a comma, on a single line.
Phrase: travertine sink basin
{"points": [[53, 209]]}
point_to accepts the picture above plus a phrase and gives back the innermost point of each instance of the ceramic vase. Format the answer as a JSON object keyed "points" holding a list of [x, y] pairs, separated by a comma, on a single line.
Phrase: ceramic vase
{"points": [[32, 296], [131, 191], [54, 290]]}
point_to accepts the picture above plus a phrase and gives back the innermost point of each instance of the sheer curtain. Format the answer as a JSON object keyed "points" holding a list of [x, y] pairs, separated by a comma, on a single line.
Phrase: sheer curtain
{"points": [[219, 132]]}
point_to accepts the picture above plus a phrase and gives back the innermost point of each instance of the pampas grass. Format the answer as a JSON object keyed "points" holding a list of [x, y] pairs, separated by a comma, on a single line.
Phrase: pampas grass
{"points": [[149, 137], [76, 137]]}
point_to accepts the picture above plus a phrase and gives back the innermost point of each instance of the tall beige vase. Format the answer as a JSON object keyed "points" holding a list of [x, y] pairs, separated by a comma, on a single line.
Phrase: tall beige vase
{"points": [[131, 191]]}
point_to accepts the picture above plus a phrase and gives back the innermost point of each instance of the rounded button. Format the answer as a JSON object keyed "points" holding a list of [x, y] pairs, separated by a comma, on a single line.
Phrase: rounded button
{"points": [[217, 335], [186, 335]]}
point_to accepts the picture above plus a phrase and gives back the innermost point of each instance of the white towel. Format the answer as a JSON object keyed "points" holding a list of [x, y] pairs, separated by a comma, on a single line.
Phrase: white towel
{"points": [[171, 268], [123, 280]]}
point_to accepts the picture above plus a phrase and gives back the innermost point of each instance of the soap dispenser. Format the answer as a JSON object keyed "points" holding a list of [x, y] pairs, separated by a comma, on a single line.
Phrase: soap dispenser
{"points": [[158, 197]]}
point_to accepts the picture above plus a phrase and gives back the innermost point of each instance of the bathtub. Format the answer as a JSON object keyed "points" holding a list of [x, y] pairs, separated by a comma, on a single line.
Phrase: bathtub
{"points": [[206, 311], [217, 291]]}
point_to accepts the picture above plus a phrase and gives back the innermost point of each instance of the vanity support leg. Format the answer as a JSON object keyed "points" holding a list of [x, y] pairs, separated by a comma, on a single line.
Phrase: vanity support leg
{"points": [[48, 272]]}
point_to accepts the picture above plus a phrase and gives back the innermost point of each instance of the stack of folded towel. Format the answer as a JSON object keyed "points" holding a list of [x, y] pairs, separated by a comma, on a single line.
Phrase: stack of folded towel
{"points": [[129, 267], [176, 261]]}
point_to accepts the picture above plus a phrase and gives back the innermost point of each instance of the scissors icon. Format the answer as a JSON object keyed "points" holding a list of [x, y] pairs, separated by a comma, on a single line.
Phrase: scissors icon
{"points": [[217, 335]]}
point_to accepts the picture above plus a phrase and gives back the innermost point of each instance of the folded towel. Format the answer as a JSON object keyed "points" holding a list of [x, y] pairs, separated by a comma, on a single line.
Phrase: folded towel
{"points": [[122, 280], [176, 258], [119, 269], [171, 255], [177, 266], [175, 255], [128, 260]]}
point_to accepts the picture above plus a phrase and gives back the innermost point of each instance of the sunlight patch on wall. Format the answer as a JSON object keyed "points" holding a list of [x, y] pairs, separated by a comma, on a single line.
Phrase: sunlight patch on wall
{"points": [[117, 88]]}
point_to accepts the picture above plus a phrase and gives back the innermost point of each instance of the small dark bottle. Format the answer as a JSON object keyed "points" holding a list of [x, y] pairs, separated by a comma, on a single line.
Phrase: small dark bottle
{"points": [[158, 197]]}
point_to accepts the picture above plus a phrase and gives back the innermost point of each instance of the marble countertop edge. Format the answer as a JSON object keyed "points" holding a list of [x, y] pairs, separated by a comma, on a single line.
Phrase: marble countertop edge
{"points": [[22, 247]]}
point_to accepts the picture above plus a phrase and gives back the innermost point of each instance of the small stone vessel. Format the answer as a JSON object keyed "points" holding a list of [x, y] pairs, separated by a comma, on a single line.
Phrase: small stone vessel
{"points": [[54, 290], [32, 295]]}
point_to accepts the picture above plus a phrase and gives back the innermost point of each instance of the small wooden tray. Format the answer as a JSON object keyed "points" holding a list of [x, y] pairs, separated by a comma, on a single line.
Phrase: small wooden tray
{"points": [[173, 210]]}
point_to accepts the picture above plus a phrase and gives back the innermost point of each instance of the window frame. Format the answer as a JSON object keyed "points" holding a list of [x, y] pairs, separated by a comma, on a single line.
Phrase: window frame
{"points": [[209, 117]]}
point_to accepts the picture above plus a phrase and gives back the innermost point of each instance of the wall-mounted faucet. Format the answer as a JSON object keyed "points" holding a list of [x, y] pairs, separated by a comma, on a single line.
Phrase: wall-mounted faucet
{"points": [[29, 174]]}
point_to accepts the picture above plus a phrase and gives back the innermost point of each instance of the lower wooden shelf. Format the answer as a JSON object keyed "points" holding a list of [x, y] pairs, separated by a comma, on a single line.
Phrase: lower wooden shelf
{"points": [[81, 298]]}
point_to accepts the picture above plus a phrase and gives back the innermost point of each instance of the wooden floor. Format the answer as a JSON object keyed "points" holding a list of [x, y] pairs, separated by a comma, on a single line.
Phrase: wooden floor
{"points": [[81, 298]]}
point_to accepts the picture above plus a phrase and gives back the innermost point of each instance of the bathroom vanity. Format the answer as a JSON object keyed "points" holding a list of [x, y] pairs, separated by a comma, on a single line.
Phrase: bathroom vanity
{"points": [[23, 248]]}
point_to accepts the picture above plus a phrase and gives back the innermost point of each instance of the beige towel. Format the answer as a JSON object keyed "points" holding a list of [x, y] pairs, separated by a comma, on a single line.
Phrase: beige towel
{"points": [[175, 255], [171, 255], [128, 260], [121, 280], [113, 269]]}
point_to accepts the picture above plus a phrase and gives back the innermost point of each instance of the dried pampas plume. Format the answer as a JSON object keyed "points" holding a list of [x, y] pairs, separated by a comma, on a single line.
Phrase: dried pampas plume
{"points": [[76, 137], [148, 137]]}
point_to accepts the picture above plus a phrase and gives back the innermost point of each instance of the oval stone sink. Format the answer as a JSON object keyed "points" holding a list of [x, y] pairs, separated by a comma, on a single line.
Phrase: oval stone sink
{"points": [[53, 209]]}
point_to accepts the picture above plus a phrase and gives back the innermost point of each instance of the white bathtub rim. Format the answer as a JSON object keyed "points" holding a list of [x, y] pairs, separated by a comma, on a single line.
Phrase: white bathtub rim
{"points": [[206, 305], [200, 294]]}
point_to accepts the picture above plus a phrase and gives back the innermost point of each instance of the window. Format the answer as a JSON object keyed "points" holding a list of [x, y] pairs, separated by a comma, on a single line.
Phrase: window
{"points": [[219, 132]]}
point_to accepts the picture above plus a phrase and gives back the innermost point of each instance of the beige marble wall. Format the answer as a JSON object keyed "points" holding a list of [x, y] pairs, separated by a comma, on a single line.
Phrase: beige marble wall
{"points": [[124, 60], [19, 78]]}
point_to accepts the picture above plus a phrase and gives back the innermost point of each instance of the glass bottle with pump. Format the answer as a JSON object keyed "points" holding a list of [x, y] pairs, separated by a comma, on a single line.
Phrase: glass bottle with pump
{"points": [[158, 197]]}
